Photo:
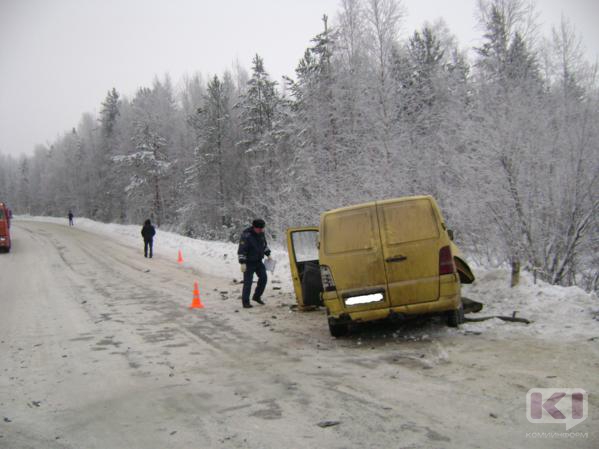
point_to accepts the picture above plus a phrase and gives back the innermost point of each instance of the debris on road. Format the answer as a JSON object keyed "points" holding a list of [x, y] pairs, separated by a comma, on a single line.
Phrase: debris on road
{"points": [[324, 424], [513, 318]]}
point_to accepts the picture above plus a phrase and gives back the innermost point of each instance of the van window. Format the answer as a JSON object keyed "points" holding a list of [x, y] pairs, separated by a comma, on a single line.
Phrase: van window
{"points": [[348, 231], [408, 221], [305, 245], [1, 214]]}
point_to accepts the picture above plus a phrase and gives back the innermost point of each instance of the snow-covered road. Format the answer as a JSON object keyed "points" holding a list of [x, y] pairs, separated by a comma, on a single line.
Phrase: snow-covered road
{"points": [[100, 350]]}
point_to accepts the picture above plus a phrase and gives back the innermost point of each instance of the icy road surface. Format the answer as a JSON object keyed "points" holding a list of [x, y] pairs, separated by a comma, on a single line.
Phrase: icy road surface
{"points": [[100, 350]]}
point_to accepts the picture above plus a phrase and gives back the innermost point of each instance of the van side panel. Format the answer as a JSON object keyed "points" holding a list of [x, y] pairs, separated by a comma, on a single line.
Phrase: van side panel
{"points": [[4, 229], [351, 248], [411, 237]]}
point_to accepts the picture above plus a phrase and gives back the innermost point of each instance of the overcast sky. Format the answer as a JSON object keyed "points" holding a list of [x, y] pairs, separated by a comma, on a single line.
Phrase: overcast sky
{"points": [[58, 58]]}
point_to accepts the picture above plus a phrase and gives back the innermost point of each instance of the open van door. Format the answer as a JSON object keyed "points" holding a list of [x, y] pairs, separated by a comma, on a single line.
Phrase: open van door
{"points": [[302, 246]]}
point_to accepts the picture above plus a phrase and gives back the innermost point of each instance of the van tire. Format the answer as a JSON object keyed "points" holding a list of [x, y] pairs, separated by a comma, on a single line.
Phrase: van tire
{"points": [[455, 317], [338, 329]]}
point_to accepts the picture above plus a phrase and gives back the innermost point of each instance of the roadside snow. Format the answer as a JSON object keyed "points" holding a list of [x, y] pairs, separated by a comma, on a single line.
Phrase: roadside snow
{"points": [[556, 312], [209, 257]]}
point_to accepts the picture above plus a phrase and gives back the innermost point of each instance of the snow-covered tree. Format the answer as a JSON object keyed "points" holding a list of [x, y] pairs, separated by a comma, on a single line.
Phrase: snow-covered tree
{"points": [[147, 165], [210, 175], [506, 141]]}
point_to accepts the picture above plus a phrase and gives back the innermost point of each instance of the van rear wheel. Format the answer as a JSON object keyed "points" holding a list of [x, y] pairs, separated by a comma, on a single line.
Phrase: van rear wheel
{"points": [[455, 317], [338, 329]]}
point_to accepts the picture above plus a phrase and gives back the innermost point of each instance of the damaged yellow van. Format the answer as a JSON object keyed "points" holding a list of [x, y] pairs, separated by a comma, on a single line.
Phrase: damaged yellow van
{"points": [[391, 258]]}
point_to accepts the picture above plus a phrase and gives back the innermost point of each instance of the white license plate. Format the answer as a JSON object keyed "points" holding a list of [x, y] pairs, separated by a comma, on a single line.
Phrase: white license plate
{"points": [[364, 299]]}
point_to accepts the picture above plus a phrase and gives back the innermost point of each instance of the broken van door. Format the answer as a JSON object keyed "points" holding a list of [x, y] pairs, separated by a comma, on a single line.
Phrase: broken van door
{"points": [[464, 271], [410, 235], [302, 246]]}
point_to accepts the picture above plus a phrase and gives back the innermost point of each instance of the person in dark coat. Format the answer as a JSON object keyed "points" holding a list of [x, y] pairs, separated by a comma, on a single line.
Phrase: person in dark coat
{"points": [[252, 249], [148, 232], [71, 218]]}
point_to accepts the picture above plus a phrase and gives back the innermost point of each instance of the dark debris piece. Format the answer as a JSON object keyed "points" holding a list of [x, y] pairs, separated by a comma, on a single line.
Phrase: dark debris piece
{"points": [[324, 424]]}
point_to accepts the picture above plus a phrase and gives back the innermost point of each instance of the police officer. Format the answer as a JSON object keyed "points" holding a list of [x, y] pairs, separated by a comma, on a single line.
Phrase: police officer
{"points": [[252, 249]]}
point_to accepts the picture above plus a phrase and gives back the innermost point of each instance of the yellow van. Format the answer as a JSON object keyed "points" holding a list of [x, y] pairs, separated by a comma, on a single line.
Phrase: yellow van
{"points": [[391, 258]]}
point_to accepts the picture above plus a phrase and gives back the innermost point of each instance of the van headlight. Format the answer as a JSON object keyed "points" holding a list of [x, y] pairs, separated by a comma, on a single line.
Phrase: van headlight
{"points": [[2, 239], [328, 284]]}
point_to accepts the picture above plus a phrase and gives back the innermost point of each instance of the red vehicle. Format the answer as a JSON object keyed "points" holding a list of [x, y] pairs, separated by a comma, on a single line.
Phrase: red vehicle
{"points": [[5, 215]]}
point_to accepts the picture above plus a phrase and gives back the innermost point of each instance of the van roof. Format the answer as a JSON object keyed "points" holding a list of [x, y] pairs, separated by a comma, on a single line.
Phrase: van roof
{"points": [[374, 203]]}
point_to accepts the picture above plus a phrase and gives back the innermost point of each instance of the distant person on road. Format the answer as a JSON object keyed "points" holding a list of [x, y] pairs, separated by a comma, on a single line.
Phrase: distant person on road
{"points": [[252, 249], [148, 232], [71, 218]]}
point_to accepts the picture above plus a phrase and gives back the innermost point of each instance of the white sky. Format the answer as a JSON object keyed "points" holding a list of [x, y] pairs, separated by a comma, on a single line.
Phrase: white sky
{"points": [[58, 58]]}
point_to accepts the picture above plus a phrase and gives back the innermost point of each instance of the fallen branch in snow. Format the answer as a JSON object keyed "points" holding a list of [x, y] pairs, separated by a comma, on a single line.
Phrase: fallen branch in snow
{"points": [[513, 318]]}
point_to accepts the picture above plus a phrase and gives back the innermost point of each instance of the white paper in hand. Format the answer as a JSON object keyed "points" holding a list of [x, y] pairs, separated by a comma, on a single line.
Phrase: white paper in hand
{"points": [[270, 264]]}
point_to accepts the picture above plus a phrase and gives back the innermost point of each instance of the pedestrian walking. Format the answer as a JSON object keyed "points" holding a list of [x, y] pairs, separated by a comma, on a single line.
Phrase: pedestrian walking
{"points": [[252, 249], [71, 218], [148, 232]]}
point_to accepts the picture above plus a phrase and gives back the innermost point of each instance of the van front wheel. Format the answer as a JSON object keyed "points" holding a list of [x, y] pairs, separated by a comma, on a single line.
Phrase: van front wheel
{"points": [[455, 317], [338, 329]]}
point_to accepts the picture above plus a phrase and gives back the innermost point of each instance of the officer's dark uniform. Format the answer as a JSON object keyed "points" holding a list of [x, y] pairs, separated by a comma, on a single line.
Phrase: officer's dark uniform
{"points": [[252, 249]]}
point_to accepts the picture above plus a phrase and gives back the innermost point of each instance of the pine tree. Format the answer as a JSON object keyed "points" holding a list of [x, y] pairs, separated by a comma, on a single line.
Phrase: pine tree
{"points": [[258, 108], [109, 113], [258, 104], [104, 202], [148, 165], [212, 123], [316, 118]]}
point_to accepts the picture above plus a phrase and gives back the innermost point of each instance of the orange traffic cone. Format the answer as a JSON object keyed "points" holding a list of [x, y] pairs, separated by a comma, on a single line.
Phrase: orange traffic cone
{"points": [[196, 303], [180, 258]]}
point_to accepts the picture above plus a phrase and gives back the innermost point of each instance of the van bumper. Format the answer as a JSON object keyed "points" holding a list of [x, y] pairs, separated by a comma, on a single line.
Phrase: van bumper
{"points": [[443, 304]]}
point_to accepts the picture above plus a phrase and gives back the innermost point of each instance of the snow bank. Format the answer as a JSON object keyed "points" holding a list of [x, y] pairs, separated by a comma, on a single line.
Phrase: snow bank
{"points": [[556, 312]]}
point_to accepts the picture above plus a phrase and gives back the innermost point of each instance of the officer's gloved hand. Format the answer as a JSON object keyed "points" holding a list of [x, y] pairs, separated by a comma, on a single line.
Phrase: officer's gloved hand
{"points": [[243, 267]]}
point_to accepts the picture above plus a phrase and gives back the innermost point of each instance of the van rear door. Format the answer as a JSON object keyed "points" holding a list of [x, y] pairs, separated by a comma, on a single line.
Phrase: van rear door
{"points": [[351, 248], [410, 234]]}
